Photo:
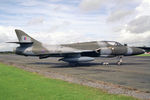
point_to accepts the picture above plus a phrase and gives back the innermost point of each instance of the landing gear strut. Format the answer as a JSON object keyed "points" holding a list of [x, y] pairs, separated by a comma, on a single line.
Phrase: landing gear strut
{"points": [[120, 60]]}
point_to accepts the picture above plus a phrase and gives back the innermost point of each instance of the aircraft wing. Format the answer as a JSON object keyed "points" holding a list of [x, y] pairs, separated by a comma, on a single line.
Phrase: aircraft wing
{"points": [[75, 56], [64, 54]]}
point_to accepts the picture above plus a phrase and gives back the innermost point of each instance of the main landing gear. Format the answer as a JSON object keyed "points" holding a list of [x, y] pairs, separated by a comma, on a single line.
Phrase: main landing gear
{"points": [[120, 60], [105, 63]]}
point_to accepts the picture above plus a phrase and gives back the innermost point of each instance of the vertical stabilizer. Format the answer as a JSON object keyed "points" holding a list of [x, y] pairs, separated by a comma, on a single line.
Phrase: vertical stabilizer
{"points": [[25, 38]]}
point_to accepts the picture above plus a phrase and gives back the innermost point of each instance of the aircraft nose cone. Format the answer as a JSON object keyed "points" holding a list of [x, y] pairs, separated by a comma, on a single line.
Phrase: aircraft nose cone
{"points": [[137, 51]]}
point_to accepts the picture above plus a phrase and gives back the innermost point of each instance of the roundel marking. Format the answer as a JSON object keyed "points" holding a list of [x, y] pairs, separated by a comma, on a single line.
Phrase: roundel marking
{"points": [[25, 38]]}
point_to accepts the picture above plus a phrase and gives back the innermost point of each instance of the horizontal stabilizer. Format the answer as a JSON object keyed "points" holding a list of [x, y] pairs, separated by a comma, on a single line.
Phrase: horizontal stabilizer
{"points": [[21, 42]]}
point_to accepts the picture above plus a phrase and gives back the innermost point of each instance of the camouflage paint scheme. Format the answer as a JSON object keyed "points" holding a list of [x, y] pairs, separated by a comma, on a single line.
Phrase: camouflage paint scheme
{"points": [[73, 53]]}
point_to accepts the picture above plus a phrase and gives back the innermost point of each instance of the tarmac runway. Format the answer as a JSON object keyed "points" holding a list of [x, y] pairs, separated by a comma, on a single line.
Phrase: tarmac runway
{"points": [[135, 72]]}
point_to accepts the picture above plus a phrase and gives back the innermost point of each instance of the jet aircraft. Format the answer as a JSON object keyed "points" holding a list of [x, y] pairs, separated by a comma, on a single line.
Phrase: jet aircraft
{"points": [[73, 53]]}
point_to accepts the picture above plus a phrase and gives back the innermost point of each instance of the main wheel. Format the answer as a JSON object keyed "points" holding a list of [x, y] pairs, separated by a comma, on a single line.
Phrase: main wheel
{"points": [[119, 63]]}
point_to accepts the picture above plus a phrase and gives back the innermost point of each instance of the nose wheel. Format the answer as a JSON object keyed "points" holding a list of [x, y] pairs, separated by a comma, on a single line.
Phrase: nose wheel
{"points": [[120, 60]]}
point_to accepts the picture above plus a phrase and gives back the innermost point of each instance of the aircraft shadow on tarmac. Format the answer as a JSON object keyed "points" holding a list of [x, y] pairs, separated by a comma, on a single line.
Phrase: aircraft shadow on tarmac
{"points": [[66, 65]]}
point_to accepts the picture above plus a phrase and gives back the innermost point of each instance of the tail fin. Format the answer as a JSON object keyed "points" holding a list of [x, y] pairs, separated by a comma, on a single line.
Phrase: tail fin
{"points": [[26, 41], [24, 38]]}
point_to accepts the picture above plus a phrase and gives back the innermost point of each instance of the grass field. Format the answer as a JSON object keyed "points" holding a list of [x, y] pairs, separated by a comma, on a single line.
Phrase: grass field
{"points": [[144, 55], [17, 84]]}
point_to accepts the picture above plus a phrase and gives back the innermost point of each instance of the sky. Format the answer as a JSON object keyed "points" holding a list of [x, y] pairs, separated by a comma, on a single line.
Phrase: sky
{"points": [[69, 21]]}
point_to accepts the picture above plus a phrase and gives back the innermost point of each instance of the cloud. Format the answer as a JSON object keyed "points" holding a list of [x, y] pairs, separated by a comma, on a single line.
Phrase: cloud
{"points": [[119, 15], [116, 10], [63, 38], [58, 26], [7, 34], [36, 21], [126, 2], [135, 39], [29, 2], [59, 37], [144, 8], [139, 25], [136, 31], [88, 5], [123, 10], [62, 21]]}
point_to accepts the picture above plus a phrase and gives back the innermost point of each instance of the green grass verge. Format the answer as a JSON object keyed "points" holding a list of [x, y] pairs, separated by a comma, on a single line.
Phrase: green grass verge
{"points": [[144, 55], [17, 84]]}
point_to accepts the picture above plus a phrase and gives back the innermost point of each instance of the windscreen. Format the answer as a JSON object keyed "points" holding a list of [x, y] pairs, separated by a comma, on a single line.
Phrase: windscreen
{"points": [[113, 43]]}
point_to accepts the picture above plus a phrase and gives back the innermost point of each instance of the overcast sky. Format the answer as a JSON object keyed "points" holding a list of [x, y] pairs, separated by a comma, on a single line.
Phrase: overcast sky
{"points": [[68, 21]]}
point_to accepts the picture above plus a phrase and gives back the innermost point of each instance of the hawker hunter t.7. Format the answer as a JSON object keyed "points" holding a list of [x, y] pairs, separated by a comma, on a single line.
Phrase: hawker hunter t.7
{"points": [[73, 53]]}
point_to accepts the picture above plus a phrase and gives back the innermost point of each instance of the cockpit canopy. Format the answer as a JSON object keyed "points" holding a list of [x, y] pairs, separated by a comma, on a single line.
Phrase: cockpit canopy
{"points": [[114, 43], [109, 43]]}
